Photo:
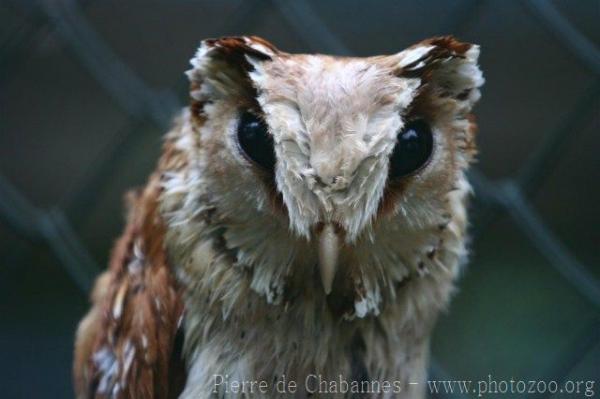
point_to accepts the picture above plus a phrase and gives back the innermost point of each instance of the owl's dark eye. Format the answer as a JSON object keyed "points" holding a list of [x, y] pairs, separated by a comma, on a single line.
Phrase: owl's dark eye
{"points": [[255, 140], [413, 149]]}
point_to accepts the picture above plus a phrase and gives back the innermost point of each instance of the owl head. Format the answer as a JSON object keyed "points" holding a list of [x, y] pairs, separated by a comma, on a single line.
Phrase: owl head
{"points": [[306, 155]]}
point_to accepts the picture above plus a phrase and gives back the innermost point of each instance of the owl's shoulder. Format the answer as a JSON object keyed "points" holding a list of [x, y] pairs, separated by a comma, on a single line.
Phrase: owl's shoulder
{"points": [[127, 345]]}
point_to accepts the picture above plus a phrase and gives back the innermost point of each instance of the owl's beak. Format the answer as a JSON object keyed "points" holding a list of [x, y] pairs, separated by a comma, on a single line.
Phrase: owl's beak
{"points": [[329, 249]]}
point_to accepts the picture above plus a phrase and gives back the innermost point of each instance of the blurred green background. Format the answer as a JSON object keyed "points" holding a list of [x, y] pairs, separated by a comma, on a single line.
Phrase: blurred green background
{"points": [[87, 89]]}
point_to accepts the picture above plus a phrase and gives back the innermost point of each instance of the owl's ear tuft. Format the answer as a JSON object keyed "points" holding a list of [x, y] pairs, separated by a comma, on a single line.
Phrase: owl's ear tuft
{"points": [[447, 68], [221, 67]]}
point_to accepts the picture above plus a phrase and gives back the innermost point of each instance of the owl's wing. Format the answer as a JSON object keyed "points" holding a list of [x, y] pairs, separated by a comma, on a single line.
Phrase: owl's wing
{"points": [[129, 344]]}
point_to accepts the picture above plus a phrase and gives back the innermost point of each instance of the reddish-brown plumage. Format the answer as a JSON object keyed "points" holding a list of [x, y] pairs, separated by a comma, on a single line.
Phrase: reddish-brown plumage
{"points": [[230, 53], [135, 316], [444, 47]]}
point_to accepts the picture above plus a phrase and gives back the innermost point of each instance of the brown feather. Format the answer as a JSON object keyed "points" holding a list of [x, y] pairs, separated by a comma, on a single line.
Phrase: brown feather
{"points": [[125, 344]]}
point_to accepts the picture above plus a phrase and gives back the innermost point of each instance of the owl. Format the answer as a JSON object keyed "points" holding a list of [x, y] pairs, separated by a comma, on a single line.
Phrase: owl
{"points": [[303, 229]]}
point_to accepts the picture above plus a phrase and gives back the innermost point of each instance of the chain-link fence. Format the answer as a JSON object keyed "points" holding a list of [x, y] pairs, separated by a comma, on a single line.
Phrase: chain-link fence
{"points": [[56, 226]]}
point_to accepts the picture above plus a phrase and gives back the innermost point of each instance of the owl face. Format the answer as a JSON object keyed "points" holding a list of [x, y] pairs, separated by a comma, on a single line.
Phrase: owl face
{"points": [[332, 151]]}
